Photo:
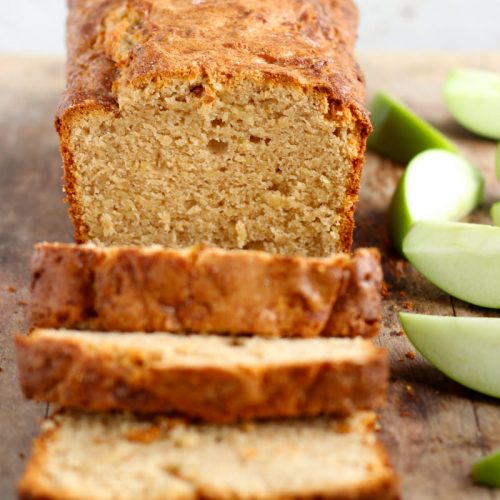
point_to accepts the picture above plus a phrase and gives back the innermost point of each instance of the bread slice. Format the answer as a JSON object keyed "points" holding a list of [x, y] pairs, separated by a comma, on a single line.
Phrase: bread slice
{"points": [[214, 378], [205, 289], [239, 124], [83, 456]]}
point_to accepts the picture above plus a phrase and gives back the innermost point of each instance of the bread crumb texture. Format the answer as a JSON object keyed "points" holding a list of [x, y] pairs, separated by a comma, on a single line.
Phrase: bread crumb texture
{"points": [[120, 457], [244, 132]]}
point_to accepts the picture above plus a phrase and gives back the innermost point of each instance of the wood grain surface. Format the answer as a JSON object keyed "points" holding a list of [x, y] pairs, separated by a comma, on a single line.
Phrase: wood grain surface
{"points": [[433, 428]]}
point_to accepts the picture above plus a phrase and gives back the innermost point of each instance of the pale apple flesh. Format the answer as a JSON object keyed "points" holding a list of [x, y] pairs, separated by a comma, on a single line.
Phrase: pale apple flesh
{"points": [[461, 259], [436, 185], [473, 98], [399, 134], [466, 349]]}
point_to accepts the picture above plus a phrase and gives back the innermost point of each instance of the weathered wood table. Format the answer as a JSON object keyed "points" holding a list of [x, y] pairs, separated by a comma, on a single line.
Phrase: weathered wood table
{"points": [[433, 428]]}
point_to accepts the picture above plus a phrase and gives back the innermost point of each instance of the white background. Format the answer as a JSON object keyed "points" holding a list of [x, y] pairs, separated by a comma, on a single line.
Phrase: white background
{"points": [[37, 26]]}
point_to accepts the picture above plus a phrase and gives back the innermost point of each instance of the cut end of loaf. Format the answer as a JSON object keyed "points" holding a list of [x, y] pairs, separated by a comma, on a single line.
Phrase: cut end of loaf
{"points": [[252, 165], [247, 131]]}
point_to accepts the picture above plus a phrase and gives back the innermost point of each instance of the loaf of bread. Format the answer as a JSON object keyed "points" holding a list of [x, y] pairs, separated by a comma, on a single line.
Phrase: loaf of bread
{"points": [[233, 123], [83, 456], [206, 290], [217, 379]]}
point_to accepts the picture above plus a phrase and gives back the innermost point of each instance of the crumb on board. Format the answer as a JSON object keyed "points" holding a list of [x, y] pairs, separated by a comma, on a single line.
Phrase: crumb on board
{"points": [[410, 355], [402, 293], [21, 455], [408, 304], [385, 289], [400, 267], [410, 390], [22, 302], [405, 414], [401, 360], [395, 333], [11, 289]]}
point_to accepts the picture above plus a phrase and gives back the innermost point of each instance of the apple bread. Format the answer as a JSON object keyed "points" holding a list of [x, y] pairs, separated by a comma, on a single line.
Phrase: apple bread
{"points": [[205, 290], [217, 379], [236, 123], [85, 456]]}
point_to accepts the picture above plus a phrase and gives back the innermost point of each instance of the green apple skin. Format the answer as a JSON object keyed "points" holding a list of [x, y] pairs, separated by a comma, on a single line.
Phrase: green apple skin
{"points": [[487, 470], [473, 98], [497, 161], [461, 259], [495, 213], [399, 134], [399, 219], [436, 185], [465, 349]]}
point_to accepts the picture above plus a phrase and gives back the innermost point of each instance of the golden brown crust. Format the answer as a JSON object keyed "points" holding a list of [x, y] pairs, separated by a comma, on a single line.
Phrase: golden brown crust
{"points": [[90, 75], [287, 42], [205, 289], [309, 44], [357, 310], [60, 284], [347, 228], [30, 487], [68, 372]]}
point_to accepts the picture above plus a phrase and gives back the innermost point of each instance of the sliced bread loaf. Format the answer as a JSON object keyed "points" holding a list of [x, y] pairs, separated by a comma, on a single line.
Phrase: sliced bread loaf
{"points": [[83, 456], [238, 123], [218, 379], [205, 290]]}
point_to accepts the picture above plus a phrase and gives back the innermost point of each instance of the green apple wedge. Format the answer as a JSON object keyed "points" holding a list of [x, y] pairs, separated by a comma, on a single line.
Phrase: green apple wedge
{"points": [[436, 185], [461, 259], [495, 208], [473, 98], [487, 470], [495, 213], [465, 349], [497, 161], [399, 134]]}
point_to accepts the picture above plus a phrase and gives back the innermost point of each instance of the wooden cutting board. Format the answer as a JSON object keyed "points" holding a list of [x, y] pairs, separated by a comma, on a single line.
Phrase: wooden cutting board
{"points": [[433, 428]]}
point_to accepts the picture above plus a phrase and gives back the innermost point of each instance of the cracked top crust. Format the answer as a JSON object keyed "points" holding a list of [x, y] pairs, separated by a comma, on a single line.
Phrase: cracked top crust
{"points": [[307, 43]]}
